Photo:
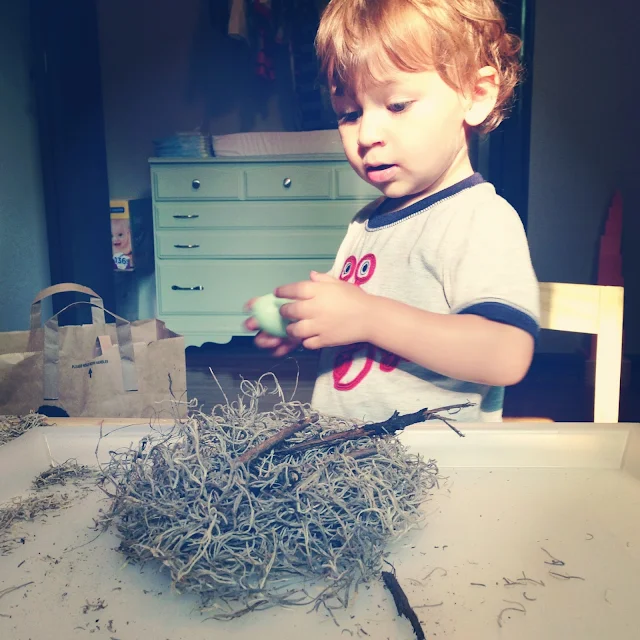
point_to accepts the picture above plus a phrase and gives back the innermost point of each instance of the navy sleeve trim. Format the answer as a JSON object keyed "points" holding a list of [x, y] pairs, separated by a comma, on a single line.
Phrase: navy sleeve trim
{"points": [[499, 312]]}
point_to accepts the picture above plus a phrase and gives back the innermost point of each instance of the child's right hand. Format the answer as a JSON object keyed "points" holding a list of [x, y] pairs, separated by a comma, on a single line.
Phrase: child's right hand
{"points": [[278, 346]]}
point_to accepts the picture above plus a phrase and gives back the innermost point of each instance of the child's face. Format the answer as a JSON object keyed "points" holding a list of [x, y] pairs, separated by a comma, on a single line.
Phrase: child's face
{"points": [[120, 236], [406, 135]]}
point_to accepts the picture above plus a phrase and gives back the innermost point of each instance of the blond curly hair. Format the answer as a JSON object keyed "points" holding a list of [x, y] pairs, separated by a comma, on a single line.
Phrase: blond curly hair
{"points": [[358, 38]]}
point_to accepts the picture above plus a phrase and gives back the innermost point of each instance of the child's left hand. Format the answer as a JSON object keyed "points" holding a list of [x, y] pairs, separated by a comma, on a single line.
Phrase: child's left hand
{"points": [[327, 312]]}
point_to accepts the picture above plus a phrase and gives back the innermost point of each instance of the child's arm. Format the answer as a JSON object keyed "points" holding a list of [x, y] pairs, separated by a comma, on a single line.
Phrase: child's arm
{"points": [[462, 346]]}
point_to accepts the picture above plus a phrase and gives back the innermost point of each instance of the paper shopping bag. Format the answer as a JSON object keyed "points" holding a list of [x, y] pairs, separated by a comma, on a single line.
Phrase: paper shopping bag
{"points": [[116, 369]]}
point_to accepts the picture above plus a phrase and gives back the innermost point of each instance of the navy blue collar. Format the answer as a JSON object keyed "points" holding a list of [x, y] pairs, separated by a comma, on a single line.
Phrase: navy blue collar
{"points": [[379, 218]]}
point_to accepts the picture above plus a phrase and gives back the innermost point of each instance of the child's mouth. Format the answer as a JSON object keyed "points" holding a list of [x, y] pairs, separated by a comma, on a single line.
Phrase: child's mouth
{"points": [[381, 172]]}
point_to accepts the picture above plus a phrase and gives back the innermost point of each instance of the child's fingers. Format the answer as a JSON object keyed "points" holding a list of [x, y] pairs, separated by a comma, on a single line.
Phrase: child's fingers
{"points": [[248, 305], [284, 349], [296, 290], [315, 276], [266, 341], [288, 345], [291, 311], [251, 324], [301, 330], [299, 310]]}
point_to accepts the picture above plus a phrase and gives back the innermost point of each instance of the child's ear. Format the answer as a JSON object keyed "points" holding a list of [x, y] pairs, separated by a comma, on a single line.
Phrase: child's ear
{"points": [[482, 96]]}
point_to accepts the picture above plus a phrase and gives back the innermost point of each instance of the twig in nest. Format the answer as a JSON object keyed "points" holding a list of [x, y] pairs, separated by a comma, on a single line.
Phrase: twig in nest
{"points": [[275, 440], [520, 609], [359, 454], [451, 426], [554, 561], [388, 427], [402, 603]]}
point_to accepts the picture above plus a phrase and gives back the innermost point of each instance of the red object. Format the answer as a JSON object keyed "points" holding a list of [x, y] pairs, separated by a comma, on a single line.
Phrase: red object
{"points": [[610, 258], [610, 254], [264, 58]]}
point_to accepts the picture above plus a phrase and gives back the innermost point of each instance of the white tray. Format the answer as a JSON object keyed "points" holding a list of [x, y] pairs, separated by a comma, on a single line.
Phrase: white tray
{"points": [[572, 489]]}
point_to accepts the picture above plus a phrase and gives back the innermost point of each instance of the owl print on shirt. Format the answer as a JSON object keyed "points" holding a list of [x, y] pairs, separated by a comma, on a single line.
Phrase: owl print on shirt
{"points": [[349, 367]]}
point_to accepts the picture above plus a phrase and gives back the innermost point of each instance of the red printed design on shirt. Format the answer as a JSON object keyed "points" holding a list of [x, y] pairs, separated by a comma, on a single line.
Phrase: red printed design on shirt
{"points": [[345, 376]]}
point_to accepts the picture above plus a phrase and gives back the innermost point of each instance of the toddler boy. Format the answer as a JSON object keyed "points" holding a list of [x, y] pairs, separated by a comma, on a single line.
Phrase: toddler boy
{"points": [[432, 299]]}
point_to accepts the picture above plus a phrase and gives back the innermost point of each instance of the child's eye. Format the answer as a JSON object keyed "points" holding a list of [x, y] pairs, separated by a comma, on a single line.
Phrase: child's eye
{"points": [[348, 116], [398, 107]]}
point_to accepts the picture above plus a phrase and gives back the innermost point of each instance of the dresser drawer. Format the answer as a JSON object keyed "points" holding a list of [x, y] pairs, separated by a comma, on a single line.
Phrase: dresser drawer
{"points": [[197, 181], [223, 286], [350, 185], [243, 214], [250, 243], [288, 181]]}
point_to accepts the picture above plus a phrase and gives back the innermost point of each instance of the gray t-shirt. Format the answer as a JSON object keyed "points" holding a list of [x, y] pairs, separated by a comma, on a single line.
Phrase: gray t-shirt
{"points": [[462, 250]]}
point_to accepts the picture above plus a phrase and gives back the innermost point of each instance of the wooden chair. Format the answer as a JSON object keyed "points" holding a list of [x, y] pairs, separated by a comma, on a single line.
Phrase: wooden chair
{"points": [[596, 310]]}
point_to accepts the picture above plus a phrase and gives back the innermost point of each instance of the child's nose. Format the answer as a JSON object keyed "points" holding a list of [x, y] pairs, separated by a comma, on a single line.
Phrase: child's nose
{"points": [[370, 132]]}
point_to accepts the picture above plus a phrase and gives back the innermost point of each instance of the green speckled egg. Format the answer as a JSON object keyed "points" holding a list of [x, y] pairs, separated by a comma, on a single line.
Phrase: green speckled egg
{"points": [[266, 311]]}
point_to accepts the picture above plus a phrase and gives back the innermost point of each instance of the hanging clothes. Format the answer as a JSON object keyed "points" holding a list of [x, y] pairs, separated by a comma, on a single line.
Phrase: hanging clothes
{"points": [[265, 32], [257, 22], [313, 106], [266, 25]]}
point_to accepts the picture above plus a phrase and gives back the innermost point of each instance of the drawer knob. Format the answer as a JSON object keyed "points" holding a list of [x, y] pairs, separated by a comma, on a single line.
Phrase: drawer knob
{"points": [[198, 287], [196, 184], [186, 216], [286, 183], [186, 246]]}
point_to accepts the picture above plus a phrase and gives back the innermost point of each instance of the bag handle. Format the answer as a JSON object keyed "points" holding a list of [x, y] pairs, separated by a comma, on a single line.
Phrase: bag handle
{"points": [[97, 311], [51, 353]]}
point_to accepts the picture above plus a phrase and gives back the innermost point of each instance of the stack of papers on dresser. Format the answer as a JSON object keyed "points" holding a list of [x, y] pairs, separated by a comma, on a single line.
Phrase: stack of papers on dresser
{"points": [[190, 144], [270, 143]]}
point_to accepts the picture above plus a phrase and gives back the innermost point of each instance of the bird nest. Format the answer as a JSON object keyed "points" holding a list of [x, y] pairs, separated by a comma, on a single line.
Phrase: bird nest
{"points": [[253, 509]]}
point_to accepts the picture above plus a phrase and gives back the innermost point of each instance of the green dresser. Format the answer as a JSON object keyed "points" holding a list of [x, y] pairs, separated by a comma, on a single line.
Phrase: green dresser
{"points": [[229, 229]]}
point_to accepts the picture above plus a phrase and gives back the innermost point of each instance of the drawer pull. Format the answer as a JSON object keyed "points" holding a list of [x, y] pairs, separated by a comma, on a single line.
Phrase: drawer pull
{"points": [[196, 184], [286, 183], [198, 287], [186, 246], [186, 216]]}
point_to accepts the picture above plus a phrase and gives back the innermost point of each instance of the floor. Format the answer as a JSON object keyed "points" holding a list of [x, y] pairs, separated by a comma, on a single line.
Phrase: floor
{"points": [[555, 386]]}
